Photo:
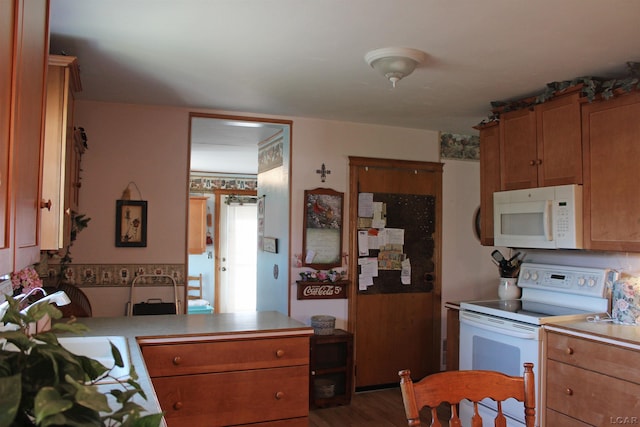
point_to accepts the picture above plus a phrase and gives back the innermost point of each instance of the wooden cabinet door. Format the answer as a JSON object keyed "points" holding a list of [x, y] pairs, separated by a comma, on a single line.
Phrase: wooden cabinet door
{"points": [[610, 135], [7, 28], [197, 225], [28, 105], [60, 155], [489, 178], [559, 141], [518, 152], [398, 329]]}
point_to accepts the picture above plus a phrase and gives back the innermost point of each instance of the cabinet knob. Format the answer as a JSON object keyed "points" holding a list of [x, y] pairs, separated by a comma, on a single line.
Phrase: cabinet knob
{"points": [[532, 162], [568, 391], [279, 395], [279, 353], [177, 406], [569, 351], [177, 360], [539, 162], [45, 204]]}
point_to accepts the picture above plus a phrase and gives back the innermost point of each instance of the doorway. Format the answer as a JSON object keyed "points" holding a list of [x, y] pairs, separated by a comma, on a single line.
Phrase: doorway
{"points": [[230, 147]]}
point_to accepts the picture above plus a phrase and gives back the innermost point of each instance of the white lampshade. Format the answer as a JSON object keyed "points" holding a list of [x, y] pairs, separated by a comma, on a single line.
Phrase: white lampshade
{"points": [[395, 63]]}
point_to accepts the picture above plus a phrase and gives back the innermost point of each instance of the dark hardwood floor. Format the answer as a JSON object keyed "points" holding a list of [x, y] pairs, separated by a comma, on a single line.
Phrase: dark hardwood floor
{"points": [[379, 408]]}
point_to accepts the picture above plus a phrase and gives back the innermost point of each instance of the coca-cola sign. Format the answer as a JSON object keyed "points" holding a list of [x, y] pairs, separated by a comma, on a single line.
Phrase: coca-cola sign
{"points": [[322, 290]]}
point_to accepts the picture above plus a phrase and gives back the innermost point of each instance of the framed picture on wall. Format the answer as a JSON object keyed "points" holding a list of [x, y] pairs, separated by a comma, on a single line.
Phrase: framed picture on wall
{"points": [[131, 223], [322, 234]]}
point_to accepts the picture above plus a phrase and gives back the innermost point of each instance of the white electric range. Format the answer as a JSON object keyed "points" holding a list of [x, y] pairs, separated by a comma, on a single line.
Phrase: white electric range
{"points": [[501, 335]]}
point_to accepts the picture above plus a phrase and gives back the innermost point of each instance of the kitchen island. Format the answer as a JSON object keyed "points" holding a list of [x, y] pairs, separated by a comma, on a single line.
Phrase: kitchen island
{"points": [[183, 360]]}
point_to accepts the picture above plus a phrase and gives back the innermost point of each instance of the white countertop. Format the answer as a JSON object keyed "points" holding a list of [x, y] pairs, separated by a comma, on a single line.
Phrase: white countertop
{"points": [[609, 332], [187, 328]]}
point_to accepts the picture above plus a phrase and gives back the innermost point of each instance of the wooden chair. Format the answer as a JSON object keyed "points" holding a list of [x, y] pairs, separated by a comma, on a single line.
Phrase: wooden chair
{"points": [[454, 386], [197, 288]]}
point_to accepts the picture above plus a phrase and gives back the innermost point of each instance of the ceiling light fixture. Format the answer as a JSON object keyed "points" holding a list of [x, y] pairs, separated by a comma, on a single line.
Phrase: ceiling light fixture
{"points": [[395, 62]]}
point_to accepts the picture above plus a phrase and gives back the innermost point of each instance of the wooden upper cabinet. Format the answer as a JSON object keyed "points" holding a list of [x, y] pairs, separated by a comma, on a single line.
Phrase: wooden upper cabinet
{"points": [[611, 155], [61, 156], [541, 146], [7, 27], [559, 141], [197, 225], [518, 153], [489, 178], [30, 51]]}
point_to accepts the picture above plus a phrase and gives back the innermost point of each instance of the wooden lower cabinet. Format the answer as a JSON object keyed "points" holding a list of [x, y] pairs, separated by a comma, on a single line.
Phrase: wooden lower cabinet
{"points": [[453, 336], [232, 382], [331, 359], [590, 383]]}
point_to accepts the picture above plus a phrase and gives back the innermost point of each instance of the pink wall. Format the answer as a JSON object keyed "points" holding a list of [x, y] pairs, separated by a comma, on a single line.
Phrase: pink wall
{"points": [[149, 145], [146, 145]]}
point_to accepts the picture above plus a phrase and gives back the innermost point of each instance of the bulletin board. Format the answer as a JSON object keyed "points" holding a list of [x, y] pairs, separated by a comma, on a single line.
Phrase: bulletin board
{"points": [[415, 214]]}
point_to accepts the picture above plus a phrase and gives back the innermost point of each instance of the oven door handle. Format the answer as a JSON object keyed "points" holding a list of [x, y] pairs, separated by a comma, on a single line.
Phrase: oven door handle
{"points": [[505, 331]]}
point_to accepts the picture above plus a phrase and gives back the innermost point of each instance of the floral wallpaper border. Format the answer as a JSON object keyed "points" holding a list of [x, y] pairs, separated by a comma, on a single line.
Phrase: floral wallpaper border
{"points": [[209, 183], [119, 274], [461, 147]]}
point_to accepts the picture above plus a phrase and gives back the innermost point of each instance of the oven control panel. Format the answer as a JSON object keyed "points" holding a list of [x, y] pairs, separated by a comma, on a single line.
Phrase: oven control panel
{"points": [[578, 280]]}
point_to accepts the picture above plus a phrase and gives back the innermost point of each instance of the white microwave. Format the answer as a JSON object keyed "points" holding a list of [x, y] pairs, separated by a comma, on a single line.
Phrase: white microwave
{"points": [[545, 217]]}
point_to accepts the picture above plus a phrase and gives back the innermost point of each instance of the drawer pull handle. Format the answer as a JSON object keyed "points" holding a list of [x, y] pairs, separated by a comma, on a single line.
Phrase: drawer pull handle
{"points": [[177, 360], [279, 395], [279, 353], [177, 406], [568, 392], [569, 351]]}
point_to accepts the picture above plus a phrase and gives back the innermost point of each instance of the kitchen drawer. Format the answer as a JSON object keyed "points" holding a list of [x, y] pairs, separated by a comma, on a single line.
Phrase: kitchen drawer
{"points": [[589, 396], [556, 419], [224, 356], [234, 398], [602, 357]]}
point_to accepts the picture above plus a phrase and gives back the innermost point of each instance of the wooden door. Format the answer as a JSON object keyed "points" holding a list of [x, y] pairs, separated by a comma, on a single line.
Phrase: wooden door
{"points": [[399, 329]]}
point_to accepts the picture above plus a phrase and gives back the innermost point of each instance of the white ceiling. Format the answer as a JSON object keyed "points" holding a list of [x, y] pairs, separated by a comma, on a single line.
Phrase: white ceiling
{"points": [[306, 58]]}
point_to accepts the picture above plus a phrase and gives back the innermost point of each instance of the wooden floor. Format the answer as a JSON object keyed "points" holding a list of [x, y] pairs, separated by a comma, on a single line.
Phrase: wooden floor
{"points": [[380, 408]]}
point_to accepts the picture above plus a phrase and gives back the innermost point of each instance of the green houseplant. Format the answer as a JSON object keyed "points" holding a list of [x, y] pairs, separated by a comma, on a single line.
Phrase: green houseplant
{"points": [[43, 384]]}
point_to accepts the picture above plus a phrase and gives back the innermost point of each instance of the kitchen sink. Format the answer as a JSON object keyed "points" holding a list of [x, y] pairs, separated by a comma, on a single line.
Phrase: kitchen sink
{"points": [[99, 348]]}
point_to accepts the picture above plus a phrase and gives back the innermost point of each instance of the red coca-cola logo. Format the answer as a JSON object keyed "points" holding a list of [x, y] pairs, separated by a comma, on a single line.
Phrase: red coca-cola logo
{"points": [[321, 290]]}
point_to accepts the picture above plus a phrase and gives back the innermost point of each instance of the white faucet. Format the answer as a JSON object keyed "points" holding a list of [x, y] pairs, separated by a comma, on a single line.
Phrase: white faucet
{"points": [[58, 298]]}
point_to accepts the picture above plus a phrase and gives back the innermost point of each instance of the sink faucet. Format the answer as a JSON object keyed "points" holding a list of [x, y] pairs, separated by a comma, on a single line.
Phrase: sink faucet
{"points": [[58, 298]]}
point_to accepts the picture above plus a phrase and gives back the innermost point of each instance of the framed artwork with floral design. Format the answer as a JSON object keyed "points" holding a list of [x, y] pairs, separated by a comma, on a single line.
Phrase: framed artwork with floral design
{"points": [[131, 223]]}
